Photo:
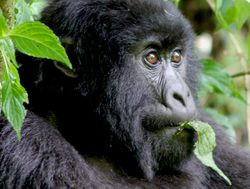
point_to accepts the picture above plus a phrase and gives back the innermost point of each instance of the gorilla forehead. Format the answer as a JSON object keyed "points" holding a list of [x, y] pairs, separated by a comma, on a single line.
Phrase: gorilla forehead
{"points": [[130, 24], [121, 19]]}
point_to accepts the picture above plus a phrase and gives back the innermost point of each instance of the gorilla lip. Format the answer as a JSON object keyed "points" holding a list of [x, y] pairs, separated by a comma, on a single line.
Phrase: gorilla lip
{"points": [[157, 123], [161, 119]]}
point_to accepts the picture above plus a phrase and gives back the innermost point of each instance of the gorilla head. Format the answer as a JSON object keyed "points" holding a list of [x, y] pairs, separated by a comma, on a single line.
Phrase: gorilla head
{"points": [[134, 80]]}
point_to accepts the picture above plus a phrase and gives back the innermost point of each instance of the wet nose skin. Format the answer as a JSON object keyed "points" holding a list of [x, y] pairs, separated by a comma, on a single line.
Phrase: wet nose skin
{"points": [[180, 102]]}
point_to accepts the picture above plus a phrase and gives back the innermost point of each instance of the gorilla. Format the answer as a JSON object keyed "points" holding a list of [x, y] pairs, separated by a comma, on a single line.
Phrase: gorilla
{"points": [[111, 121]]}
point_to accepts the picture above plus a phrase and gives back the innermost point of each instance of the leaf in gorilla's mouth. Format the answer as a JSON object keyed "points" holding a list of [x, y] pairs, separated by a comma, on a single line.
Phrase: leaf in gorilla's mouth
{"points": [[205, 144]]}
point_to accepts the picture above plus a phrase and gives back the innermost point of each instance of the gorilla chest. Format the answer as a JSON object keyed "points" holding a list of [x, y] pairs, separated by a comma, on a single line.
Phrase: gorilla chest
{"points": [[113, 177]]}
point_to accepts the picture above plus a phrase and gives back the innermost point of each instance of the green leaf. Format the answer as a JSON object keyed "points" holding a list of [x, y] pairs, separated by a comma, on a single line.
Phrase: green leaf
{"points": [[23, 12], [243, 13], [205, 145], [36, 39], [219, 16], [216, 80], [3, 25], [13, 94], [230, 15], [36, 8], [176, 2], [234, 13], [13, 97], [9, 50]]}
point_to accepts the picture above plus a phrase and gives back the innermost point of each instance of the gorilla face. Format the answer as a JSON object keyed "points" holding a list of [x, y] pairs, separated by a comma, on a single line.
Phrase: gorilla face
{"points": [[147, 89]]}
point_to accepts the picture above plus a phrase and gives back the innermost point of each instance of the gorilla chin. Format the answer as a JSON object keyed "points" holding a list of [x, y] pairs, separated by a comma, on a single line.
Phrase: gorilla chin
{"points": [[169, 147]]}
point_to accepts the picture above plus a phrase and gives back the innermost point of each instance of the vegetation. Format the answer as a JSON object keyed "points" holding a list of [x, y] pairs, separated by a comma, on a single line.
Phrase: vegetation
{"points": [[205, 145], [17, 31], [225, 85]]}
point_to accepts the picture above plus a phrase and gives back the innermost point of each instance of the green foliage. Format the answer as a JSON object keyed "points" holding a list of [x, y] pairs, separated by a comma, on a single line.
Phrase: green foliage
{"points": [[217, 80], [233, 24], [23, 12], [3, 24], [8, 49], [36, 39], [32, 38], [224, 121], [36, 6], [12, 93], [205, 145], [13, 96], [234, 12], [176, 2]]}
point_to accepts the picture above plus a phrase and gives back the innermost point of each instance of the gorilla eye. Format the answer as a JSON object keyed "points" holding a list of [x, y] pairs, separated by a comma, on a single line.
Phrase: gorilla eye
{"points": [[152, 58], [176, 56]]}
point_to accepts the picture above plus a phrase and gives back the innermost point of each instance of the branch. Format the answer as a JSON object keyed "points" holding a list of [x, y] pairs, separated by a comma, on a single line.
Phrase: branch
{"points": [[211, 4], [240, 74]]}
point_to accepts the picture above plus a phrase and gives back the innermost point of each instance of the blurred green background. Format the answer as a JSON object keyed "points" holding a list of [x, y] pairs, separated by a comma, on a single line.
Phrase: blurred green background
{"points": [[213, 42]]}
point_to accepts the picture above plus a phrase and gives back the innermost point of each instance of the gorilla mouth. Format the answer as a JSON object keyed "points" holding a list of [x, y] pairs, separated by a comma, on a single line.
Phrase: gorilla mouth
{"points": [[161, 121], [158, 117], [156, 124]]}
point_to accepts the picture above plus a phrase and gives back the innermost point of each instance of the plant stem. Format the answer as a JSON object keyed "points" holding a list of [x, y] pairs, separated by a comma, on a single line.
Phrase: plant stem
{"points": [[211, 4], [8, 9], [240, 74], [244, 65]]}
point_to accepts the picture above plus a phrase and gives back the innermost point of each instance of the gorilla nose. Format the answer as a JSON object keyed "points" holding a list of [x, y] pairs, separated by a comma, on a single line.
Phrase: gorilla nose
{"points": [[180, 102], [178, 97]]}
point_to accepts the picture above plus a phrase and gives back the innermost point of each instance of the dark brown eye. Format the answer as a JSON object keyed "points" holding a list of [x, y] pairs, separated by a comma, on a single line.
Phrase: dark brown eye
{"points": [[152, 58], [176, 56]]}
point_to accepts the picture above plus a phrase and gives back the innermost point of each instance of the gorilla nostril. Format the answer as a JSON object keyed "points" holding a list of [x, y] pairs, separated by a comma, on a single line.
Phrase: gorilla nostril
{"points": [[179, 98]]}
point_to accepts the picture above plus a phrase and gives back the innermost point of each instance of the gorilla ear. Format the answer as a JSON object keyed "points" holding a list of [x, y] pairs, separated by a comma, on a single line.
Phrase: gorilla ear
{"points": [[68, 72], [66, 42]]}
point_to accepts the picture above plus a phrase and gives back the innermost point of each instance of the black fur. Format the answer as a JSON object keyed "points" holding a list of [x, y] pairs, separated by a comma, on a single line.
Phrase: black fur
{"points": [[115, 112]]}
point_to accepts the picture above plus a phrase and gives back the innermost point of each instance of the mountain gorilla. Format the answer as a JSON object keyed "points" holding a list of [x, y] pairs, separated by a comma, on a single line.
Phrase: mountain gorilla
{"points": [[111, 122]]}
